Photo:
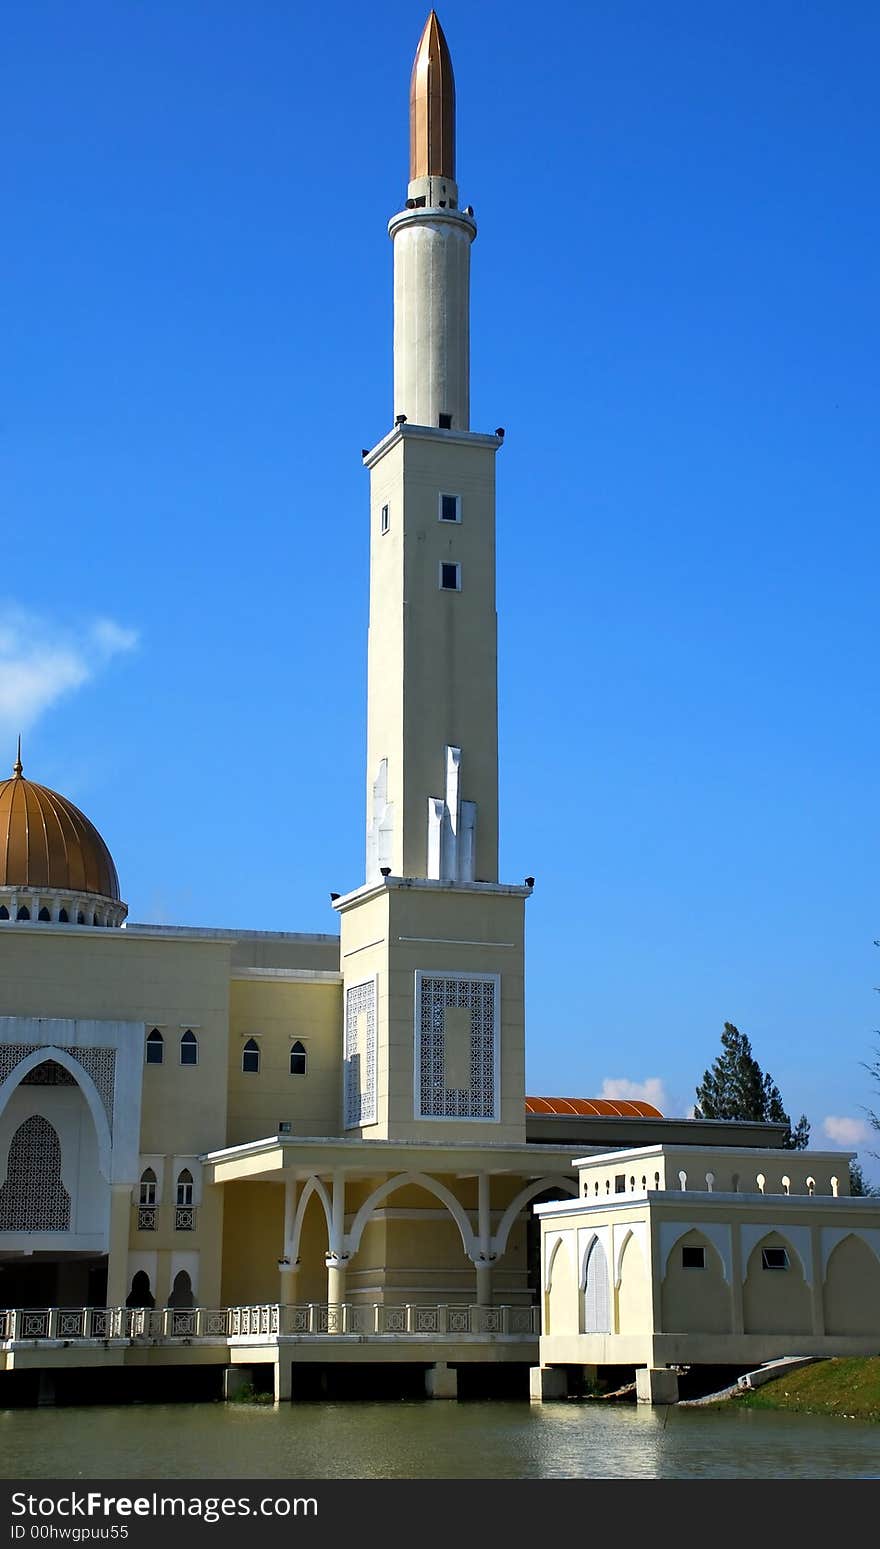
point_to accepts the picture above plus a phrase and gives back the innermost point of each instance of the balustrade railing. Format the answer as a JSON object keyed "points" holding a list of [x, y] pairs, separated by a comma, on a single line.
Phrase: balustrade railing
{"points": [[410, 1320]]}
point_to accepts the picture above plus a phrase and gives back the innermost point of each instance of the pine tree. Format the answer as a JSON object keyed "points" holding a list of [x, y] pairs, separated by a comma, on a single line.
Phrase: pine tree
{"points": [[737, 1088]]}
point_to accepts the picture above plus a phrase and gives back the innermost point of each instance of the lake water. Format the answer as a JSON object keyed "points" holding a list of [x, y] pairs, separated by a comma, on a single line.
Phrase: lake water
{"points": [[430, 1440]]}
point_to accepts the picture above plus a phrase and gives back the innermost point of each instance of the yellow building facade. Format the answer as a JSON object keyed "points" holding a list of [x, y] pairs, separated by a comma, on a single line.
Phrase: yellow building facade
{"points": [[219, 1135]]}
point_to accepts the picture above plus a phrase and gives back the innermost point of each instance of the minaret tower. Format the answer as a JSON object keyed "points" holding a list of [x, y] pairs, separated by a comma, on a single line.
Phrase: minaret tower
{"points": [[432, 943]]}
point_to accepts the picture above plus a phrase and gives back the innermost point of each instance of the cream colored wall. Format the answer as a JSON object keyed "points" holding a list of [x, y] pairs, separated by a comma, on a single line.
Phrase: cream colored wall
{"points": [[253, 1234], [446, 924], [759, 1313], [719, 1170], [776, 1301], [695, 1300], [276, 1014], [432, 654], [634, 1315], [852, 1289]]}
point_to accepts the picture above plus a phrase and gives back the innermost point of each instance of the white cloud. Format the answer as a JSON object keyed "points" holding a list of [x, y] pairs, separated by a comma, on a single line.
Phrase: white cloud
{"points": [[847, 1132], [650, 1091], [41, 661]]}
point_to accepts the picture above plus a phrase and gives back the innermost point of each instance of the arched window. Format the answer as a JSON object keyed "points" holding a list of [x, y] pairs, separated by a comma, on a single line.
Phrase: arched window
{"points": [[33, 1197], [43, 914], [597, 1298], [155, 1047], [148, 1187], [185, 1187], [250, 1057], [140, 1294], [24, 913], [298, 1059], [62, 916], [4, 912], [189, 1048], [80, 918], [181, 1291]]}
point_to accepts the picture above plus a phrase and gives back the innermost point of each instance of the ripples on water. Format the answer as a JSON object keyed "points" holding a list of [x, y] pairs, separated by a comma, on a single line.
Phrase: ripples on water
{"points": [[430, 1440]]}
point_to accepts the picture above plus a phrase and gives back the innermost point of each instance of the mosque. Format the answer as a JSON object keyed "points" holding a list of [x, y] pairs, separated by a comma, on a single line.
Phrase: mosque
{"points": [[219, 1119]]}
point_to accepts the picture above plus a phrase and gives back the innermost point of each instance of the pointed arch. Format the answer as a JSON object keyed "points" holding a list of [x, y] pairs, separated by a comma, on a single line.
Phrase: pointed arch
{"points": [[312, 1186], [531, 1190], [84, 1082], [422, 1180], [597, 1302], [797, 1238]]}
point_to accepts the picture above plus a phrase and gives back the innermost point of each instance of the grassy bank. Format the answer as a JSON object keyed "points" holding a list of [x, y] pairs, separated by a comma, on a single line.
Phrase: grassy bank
{"points": [[850, 1388]]}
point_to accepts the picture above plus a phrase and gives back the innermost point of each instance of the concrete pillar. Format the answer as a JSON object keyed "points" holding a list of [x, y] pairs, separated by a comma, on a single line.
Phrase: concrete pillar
{"points": [[336, 1265], [117, 1263], [283, 1377], [817, 1289], [441, 1381], [288, 1277], [234, 1379], [656, 1385], [736, 1281], [45, 1389], [547, 1382], [484, 1284]]}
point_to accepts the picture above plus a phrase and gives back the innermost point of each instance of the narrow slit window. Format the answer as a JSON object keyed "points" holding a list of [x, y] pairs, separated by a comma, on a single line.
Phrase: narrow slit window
{"points": [[385, 519], [298, 1059], [155, 1047], [189, 1048], [148, 1187], [250, 1058]]}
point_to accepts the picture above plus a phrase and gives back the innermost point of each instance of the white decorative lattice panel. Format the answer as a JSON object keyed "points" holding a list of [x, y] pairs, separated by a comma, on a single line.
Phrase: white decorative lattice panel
{"points": [[360, 1054], [99, 1063], [33, 1197], [451, 1082]]}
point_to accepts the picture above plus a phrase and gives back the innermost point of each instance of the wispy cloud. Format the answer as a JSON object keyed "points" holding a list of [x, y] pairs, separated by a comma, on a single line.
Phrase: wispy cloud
{"points": [[42, 661], [651, 1090], [847, 1132]]}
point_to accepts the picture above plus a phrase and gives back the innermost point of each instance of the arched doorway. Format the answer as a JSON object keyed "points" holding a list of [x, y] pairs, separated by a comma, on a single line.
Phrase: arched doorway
{"points": [[54, 1193]]}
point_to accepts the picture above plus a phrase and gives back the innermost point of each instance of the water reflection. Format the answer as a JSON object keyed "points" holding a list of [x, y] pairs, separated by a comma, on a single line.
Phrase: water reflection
{"points": [[430, 1440]]}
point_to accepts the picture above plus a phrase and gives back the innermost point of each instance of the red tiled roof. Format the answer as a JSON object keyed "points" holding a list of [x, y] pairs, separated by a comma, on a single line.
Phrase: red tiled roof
{"points": [[593, 1107]]}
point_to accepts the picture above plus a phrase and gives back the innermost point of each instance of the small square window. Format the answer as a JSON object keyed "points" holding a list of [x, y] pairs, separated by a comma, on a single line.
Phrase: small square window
{"points": [[620, 1183], [450, 508], [385, 519], [445, 421], [774, 1258], [450, 577], [693, 1258]]}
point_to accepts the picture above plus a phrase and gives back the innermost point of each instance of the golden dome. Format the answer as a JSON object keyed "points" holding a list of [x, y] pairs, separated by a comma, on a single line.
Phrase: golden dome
{"points": [[46, 842]]}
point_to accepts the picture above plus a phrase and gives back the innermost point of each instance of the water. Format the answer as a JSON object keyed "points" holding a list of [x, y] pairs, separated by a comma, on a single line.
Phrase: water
{"points": [[430, 1440]]}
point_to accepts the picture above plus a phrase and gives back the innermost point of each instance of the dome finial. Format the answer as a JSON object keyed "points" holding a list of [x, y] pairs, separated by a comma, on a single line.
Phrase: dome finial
{"points": [[16, 768]]}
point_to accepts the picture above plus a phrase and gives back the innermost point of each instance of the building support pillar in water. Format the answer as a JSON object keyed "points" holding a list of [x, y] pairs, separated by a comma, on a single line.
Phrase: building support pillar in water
{"points": [[235, 1378], [441, 1381], [283, 1378], [547, 1382], [656, 1385]]}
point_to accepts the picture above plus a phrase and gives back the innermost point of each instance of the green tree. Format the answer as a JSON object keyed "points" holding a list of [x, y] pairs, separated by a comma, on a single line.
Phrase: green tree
{"points": [[858, 1183], [737, 1088]]}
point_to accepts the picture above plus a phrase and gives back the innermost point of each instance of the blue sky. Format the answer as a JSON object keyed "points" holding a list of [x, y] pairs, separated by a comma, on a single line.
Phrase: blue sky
{"points": [[675, 315]]}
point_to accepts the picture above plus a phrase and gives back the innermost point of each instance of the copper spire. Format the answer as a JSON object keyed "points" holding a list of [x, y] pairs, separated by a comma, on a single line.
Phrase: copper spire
{"points": [[16, 768], [432, 106]]}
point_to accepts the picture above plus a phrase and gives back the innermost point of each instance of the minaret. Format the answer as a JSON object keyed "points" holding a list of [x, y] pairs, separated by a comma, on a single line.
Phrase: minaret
{"points": [[432, 744], [432, 938]]}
